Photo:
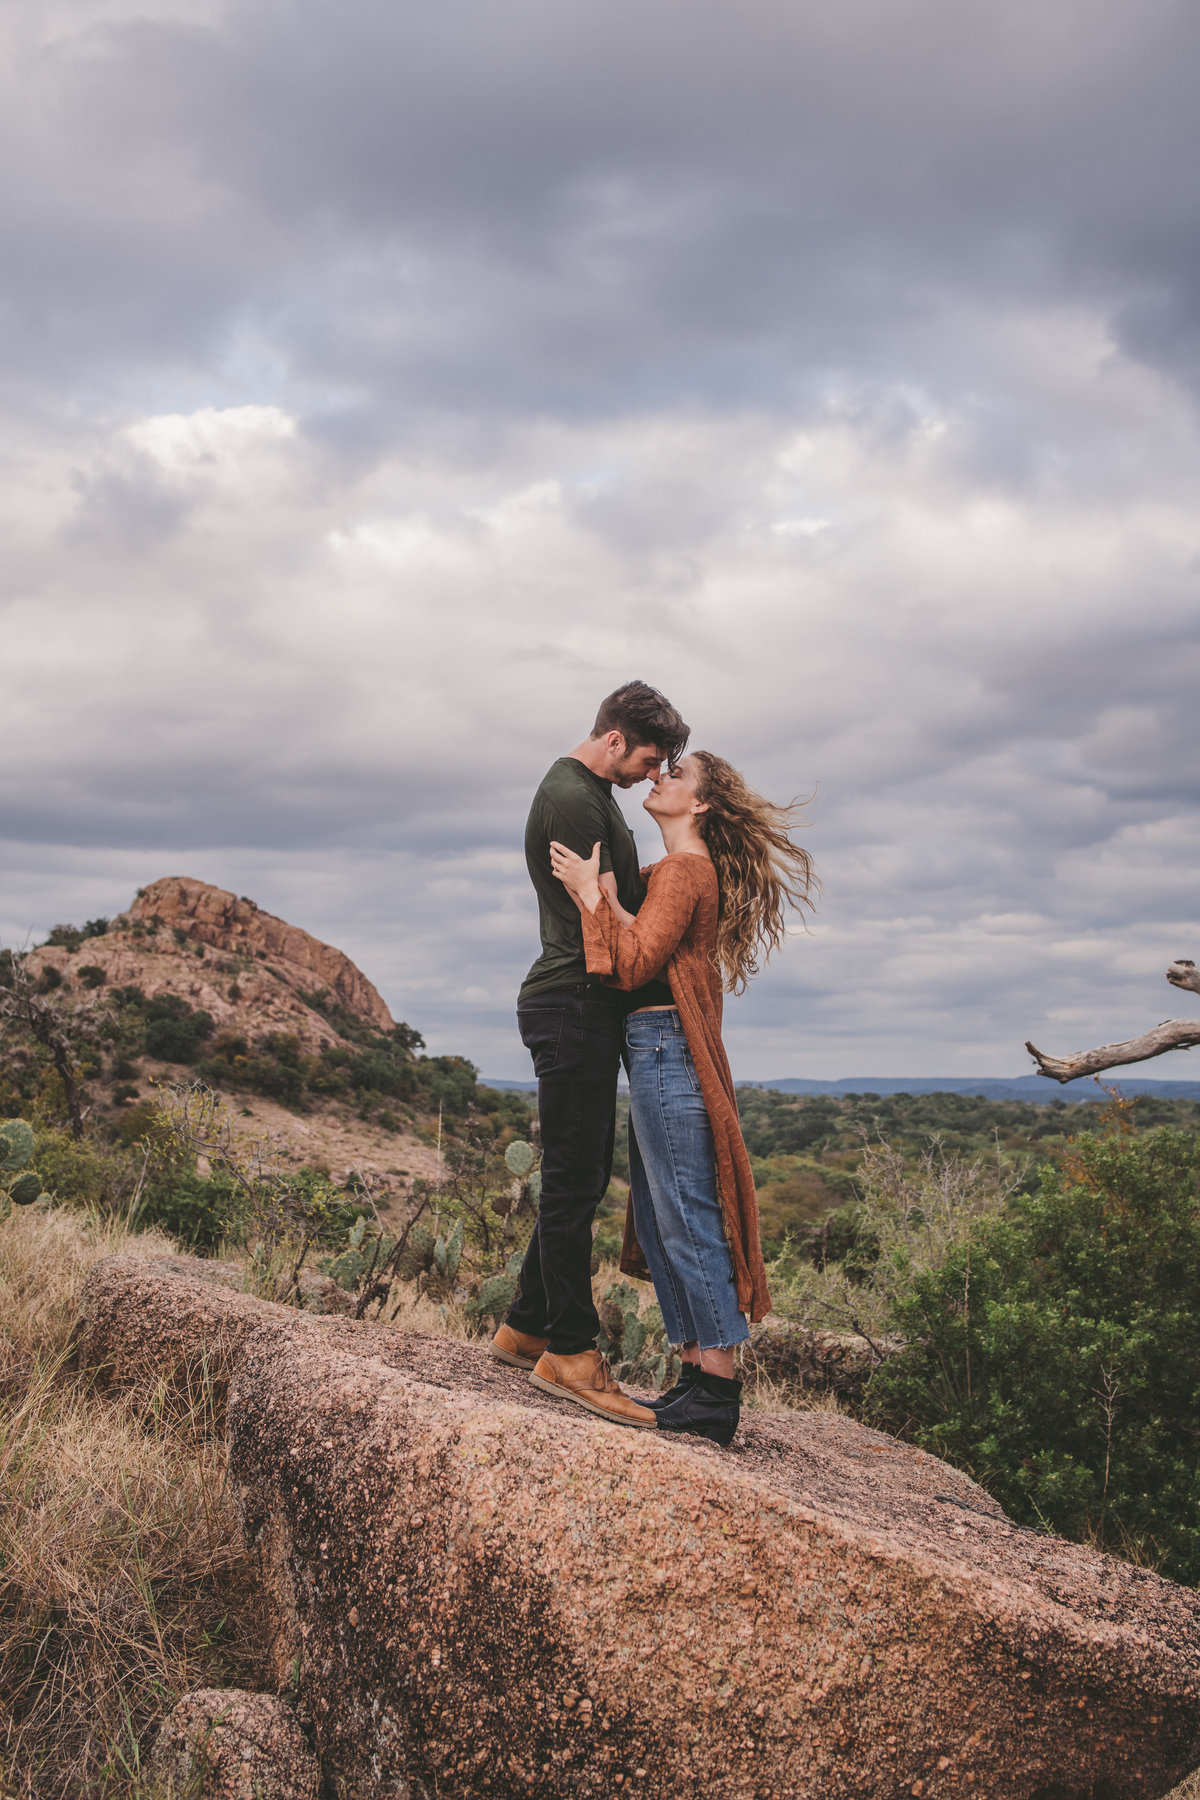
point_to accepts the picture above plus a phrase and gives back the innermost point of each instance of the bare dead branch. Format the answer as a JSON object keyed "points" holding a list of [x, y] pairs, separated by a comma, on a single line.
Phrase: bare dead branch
{"points": [[1172, 1034], [1183, 973]]}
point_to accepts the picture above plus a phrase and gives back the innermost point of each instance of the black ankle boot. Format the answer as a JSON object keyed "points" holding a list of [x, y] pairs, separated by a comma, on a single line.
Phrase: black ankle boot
{"points": [[687, 1381], [710, 1408]]}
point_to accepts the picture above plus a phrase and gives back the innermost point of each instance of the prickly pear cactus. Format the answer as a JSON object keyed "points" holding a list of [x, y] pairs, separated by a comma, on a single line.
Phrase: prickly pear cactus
{"points": [[634, 1342], [447, 1254], [496, 1294], [16, 1144], [346, 1268], [519, 1158], [418, 1253], [25, 1189], [619, 1318], [19, 1186]]}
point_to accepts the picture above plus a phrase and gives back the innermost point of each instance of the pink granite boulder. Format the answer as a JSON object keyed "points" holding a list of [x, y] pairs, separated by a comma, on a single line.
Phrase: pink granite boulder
{"points": [[484, 1590]]}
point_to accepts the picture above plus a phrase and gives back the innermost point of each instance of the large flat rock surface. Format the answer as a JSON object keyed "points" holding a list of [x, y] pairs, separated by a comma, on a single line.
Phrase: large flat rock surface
{"points": [[481, 1590]]}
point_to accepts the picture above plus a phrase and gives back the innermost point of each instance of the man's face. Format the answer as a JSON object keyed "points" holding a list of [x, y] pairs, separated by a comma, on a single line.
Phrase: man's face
{"points": [[631, 766]]}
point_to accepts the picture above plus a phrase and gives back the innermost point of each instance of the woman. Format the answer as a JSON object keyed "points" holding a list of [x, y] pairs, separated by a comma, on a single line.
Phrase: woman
{"points": [[714, 904]]}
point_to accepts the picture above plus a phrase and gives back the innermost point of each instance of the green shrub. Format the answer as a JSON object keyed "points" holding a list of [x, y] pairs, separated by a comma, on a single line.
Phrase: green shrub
{"points": [[852, 1276], [69, 937], [199, 1211], [85, 1171], [133, 1123], [276, 1066], [1054, 1352], [173, 1031]]}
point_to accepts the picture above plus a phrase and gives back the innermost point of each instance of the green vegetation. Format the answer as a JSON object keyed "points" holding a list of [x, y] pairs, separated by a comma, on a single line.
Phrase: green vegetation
{"points": [[63, 1045], [1027, 1278], [1039, 1328], [462, 1238], [1054, 1351], [69, 937], [806, 1151], [19, 1185], [54, 1043], [634, 1338], [163, 1026]]}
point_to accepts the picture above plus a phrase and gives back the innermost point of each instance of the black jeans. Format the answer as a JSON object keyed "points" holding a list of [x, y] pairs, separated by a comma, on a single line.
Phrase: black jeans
{"points": [[575, 1036]]}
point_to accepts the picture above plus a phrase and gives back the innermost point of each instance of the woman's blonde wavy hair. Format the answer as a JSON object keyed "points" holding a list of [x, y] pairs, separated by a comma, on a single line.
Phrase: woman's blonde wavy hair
{"points": [[761, 873]]}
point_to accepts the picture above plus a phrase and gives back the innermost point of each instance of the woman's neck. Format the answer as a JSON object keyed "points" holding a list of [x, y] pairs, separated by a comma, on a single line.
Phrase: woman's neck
{"points": [[681, 834]]}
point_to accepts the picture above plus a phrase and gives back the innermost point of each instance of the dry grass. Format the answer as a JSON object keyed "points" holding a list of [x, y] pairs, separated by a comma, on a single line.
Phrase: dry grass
{"points": [[763, 1391], [122, 1582], [417, 1312], [44, 1258]]}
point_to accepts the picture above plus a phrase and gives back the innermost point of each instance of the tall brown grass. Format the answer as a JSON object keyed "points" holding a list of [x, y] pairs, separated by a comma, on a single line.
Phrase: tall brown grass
{"points": [[122, 1580]]}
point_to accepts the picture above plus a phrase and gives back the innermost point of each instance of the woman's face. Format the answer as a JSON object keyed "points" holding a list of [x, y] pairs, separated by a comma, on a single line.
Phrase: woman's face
{"points": [[674, 794]]}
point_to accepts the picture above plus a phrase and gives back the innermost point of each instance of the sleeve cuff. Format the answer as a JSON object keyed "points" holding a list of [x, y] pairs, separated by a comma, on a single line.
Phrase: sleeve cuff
{"points": [[598, 929]]}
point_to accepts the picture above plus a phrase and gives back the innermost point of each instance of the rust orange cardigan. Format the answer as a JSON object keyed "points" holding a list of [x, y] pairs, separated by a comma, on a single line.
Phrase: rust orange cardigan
{"points": [[676, 932]]}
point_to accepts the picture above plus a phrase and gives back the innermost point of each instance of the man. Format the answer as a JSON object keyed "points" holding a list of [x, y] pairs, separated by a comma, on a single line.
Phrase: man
{"points": [[573, 1026]]}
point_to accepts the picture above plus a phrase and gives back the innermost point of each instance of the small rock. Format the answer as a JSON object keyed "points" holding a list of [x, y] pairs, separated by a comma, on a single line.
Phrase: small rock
{"points": [[319, 1293], [222, 1744]]}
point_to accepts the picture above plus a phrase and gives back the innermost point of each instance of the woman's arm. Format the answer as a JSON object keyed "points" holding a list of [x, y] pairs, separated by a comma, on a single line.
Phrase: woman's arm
{"points": [[632, 950], [584, 882]]}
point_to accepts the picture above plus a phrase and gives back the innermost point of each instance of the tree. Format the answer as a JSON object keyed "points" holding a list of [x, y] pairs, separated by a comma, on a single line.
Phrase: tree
{"points": [[1053, 1353], [1172, 1034], [63, 1030]]}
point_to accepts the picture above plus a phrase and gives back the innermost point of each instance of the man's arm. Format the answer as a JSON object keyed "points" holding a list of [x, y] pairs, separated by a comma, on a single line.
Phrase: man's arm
{"points": [[608, 887], [580, 832]]}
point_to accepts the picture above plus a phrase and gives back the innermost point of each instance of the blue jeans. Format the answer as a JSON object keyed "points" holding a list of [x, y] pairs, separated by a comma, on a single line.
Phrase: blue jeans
{"points": [[673, 1179]]}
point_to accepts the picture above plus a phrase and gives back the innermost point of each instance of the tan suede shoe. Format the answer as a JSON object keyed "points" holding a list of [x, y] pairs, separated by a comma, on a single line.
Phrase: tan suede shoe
{"points": [[517, 1347], [588, 1381]]}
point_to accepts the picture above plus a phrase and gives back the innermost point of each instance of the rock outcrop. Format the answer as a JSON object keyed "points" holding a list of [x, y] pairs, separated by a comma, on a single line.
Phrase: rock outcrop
{"points": [[210, 915], [480, 1591], [245, 967], [222, 1744]]}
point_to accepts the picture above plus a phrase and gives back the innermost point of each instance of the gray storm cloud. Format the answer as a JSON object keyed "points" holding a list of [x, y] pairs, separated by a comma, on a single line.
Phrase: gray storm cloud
{"points": [[383, 384]]}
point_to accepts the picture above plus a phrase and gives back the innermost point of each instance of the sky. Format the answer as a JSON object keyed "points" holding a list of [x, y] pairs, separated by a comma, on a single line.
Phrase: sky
{"points": [[382, 383]]}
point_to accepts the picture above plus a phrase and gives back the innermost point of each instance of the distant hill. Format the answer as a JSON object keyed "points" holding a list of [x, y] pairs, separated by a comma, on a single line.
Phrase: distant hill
{"points": [[1033, 1088], [207, 984], [249, 971]]}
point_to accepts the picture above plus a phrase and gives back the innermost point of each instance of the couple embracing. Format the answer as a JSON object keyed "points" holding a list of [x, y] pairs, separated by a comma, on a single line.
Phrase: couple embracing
{"points": [[633, 967]]}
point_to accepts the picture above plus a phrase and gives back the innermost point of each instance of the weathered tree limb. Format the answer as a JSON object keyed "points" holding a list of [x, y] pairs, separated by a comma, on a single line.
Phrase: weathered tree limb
{"points": [[1172, 1034], [1184, 974]]}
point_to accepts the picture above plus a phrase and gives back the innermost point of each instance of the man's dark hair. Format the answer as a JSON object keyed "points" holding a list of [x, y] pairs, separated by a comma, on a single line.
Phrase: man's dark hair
{"points": [[643, 716]]}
